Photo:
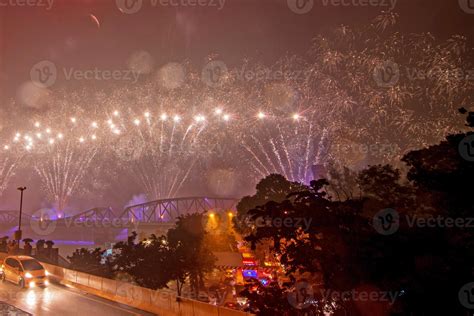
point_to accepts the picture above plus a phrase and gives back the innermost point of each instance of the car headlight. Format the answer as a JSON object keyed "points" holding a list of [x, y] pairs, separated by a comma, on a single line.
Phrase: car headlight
{"points": [[28, 275], [46, 272]]}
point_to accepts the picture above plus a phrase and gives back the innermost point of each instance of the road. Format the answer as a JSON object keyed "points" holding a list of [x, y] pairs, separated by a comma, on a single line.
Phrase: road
{"points": [[61, 300]]}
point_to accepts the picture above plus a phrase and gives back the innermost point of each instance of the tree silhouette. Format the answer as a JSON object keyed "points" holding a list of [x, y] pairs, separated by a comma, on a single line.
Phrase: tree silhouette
{"points": [[423, 267]]}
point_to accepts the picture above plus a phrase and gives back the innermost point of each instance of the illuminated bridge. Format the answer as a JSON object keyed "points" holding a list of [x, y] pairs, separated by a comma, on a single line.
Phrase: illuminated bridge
{"points": [[168, 210], [101, 224]]}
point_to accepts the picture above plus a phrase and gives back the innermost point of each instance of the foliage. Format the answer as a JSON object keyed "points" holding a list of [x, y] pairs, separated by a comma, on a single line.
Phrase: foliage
{"points": [[179, 256], [271, 188], [191, 257], [146, 261], [423, 267], [89, 261], [342, 182], [156, 260], [270, 300]]}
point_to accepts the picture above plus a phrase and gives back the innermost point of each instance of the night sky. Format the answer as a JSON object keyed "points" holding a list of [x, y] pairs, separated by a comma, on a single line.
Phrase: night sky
{"points": [[265, 29]]}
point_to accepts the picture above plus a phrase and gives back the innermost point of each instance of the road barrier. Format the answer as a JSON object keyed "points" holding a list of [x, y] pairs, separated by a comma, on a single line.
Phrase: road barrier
{"points": [[161, 302]]}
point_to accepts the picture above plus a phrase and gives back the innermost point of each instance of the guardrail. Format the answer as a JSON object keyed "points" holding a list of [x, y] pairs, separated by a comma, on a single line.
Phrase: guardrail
{"points": [[161, 302]]}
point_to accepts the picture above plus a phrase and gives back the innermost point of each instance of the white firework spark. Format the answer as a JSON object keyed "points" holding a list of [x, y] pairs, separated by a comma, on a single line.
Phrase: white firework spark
{"points": [[8, 165]]}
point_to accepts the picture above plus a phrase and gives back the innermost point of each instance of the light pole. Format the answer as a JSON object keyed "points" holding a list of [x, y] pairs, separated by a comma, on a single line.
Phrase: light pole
{"points": [[18, 232]]}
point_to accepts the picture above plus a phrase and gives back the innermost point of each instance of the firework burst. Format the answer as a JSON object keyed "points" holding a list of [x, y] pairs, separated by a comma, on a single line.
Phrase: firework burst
{"points": [[283, 118], [8, 165]]}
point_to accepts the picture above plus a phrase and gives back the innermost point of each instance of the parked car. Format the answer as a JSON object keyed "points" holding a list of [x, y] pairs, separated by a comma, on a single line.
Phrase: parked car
{"points": [[24, 271]]}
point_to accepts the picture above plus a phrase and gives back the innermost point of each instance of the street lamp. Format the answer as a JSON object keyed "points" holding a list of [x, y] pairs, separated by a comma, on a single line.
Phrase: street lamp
{"points": [[18, 232]]}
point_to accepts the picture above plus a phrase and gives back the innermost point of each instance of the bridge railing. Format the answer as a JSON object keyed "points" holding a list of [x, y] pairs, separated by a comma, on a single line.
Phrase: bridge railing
{"points": [[168, 210], [158, 211]]}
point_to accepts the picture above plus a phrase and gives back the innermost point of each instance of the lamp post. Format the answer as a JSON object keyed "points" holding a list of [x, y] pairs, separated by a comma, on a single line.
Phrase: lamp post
{"points": [[18, 232]]}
